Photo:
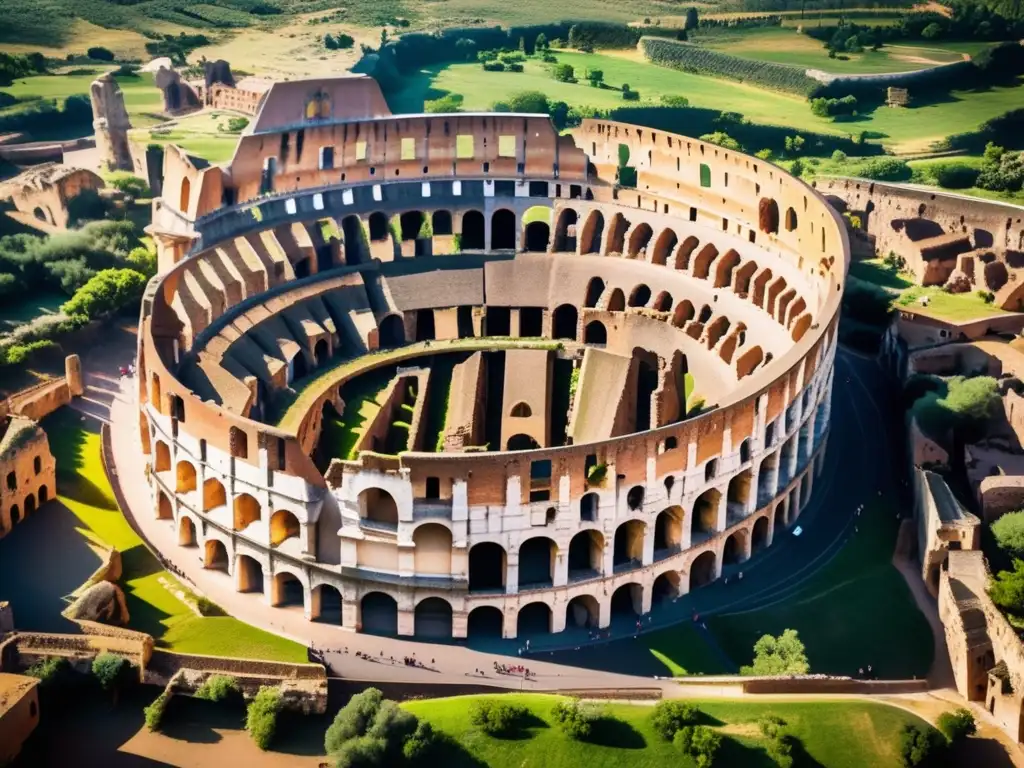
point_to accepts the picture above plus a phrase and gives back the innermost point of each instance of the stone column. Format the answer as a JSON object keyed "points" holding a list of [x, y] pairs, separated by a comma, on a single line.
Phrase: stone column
{"points": [[406, 622], [311, 603], [460, 624], [723, 511], [351, 614], [648, 554], [604, 611], [307, 534]]}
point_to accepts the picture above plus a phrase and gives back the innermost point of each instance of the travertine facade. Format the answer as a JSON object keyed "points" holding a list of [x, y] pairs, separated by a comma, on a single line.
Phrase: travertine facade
{"points": [[19, 713], [27, 471], [339, 230], [43, 192]]}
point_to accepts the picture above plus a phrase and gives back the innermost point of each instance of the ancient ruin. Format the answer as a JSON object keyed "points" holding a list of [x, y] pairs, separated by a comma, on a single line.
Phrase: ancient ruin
{"points": [[111, 123], [41, 194]]}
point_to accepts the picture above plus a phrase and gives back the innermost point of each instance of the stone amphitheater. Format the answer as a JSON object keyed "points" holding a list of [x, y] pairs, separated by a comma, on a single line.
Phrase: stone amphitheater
{"points": [[462, 376]]}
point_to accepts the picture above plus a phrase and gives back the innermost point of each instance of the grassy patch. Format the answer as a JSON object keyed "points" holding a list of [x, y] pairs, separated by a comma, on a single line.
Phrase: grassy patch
{"points": [[948, 306], [839, 734], [876, 272], [361, 395], [149, 590]]}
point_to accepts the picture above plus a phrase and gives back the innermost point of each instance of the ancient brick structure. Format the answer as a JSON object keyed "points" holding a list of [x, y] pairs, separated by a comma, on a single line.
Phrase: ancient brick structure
{"points": [[179, 96], [338, 230], [19, 713], [943, 525], [111, 123], [27, 471], [42, 193]]}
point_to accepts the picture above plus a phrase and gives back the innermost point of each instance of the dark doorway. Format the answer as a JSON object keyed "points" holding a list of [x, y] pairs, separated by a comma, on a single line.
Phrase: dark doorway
{"points": [[425, 325], [537, 235], [392, 332], [564, 322], [503, 230], [473, 231]]}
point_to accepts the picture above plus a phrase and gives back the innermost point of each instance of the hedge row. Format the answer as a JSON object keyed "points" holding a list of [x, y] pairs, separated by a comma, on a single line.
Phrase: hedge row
{"points": [[704, 61]]}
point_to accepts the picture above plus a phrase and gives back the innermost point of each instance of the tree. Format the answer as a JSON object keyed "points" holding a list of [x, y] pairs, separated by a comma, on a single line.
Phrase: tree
{"points": [[932, 31], [1007, 588], [699, 742], [99, 53], [722, 139], [839, 156], [541, 43], [87, 205], [383, 37], [105, 292], [528, 102], [261, 715], [219, 688], [575, 720], [957, 725], [111, 672], [782, 655], [691, 18], [1009, 532], [797, 169], [764, 154], [596, 77], [371, 730], [671, 715], [143, 261], [564, 73], [418, 747], [795, 144], [496, 718], [918, 746]]}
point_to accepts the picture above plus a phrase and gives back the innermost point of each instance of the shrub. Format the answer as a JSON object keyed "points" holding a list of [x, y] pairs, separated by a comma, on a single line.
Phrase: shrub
{"points": [[219, 688], [564, 73], [99, 53], [340, 41], [839, 156], [361, 752], [576, 721], [597, 473], [867, 302], [1007, 588], [630, 95], [87, 205], [419, 747], [493, 66], [722, 139], [955, 175], [919, 745], [887, 169], [106, 292], [671, 100], [699, 742], [154, 713], [533, 102], [110, 670], [670, 716], [353, 719], [1008, 531], [451, 102], [782, 655], [497, 718], [131, 185], [50, 671], [958, 724], [261, 716]]}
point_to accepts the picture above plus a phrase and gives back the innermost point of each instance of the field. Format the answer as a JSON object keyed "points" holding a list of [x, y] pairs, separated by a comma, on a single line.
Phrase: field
{"points": [[84, 491], [836, 734], [198, 134]]}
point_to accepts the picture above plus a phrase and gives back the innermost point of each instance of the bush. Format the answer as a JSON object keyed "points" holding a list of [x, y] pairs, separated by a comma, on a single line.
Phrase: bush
{"points": [[670, 100], [782, 655], [670, 716], [110, 670], [419, 747], [564, 73], [957, 725], [497, 718], [219, 688], [839, 156], [631, 95], [340, 41], [131, 185], [451, 102], [106, 292], [154, 713], [1008, 531], [722, 139], [362, 752], [370, 730], [87, 205], [493, 66], [99, 53], [955, 175], [699, 742], [261, 716], [576, 721], [886, 169], [867, 302], [919, 745], [50, 671], [1007, 588], [353, 719]]}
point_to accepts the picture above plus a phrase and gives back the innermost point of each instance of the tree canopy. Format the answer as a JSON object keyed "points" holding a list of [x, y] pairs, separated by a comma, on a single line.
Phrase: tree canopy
{"points": [[782, 655], [1009, 532]]}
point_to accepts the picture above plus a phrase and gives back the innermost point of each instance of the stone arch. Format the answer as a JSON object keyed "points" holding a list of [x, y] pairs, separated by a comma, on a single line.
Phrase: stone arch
{"points": [[246, 511], [538, 235], [565, 230], [617, 234], [503, 230], [743, 276], [286, 589], [214, 494], [663, 303], [703, 570], [639, 296], [617, 301], [283, 525], [184, 195], [595, 333], [537, 556], [593, 232], [739, 491], [702, 261], [473, 233], [15, 514], [215, 555], [378, 506], [432, 619], [628, 601], [321, 352], [683, 313], [533, 619], [663, 246], [433, 550], [668, 532], [186, 532], [521, 442], [162, 457], [724, 267], [44, 495], [734, 550], [30, 504], [681, 260], [759, 534], [564, 321], [485, 621], [589, 505], [379, 613], [410, 224], [791, 220], [667, 586], [249, 575], [745, 450], [488, 564], [586, 555], [768, 215], [629, 545], [704, 521], [185, 477], [638, 240], [391, 332], [583, 611], [331, 603], [635, 497], [441, 223], [378, 226], [595, 288]]}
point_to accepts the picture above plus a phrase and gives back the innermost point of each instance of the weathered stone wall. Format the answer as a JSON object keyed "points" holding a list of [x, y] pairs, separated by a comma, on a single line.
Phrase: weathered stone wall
{"points": [[1000, 494]]}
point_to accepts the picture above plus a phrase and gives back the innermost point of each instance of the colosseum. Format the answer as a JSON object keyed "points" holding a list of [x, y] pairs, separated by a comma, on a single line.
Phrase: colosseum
{"points": [[464, 376]]}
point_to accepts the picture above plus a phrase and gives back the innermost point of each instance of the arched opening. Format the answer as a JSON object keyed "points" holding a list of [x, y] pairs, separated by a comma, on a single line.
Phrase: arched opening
{"points": [[702, 570], [666, 587], [186, 532], [185, 195], [30, 504], [441, 223], [378, 227], [40, 214], [705, 514], [15, 514], [411, 223], [759, 534], [433, 619], [628, 601], [638, 240], [485, 621], [331, 604], [283, 525], [520, 411], [586, 555], [522, 442], [286, 589], [702, 261], [595, 333], [583, 611], [162, 460], [503, 230], [299, 369], [564, 321], [215, 555], [379, 614], [668, 533], [537, 563], [735, 550], [663, 247], [617, 301], [248, 574], [164, 509], [185, 477], [246, 511], [791, 220], [487, 567], [745, 451], [588, 507], [565, 231], [739, 494], [537, 235], [617, 234], [321, 352], [213, 494], [683, 313], [593, 233], [767, 477], [664, 302], [629, 545], [433, 550], [768, 215], [473, 231], [352, 233], [640, 295], [392, 332], [44, 495], [594, 290], [635, 497], [425, 325], [378, 506], [646, 385], [533, 619]]}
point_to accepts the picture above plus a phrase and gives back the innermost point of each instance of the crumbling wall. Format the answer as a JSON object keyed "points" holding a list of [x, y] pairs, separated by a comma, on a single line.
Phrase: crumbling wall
{"points": [[111, 123]]}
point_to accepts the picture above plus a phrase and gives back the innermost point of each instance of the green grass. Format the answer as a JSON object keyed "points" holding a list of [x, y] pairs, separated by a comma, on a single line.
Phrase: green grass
{"points": [[361, 396], [834, 734], [956, 307], [684, 652], [215, 149], [83, 487], [876, 272]]}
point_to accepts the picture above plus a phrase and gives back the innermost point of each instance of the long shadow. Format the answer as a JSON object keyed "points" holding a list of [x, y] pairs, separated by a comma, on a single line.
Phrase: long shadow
{"points": [[521, 729], [301, 735], [735, 752], [450, 754], [980, 751], [609, 731], [195, 720]]}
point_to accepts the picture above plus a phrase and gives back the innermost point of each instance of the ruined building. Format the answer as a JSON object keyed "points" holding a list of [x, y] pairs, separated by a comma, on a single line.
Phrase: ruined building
{"points": [[111, 123]]}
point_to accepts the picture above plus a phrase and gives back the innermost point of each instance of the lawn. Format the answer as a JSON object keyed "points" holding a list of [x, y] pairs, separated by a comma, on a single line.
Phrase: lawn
{"points": [[149, 590], [834, 734], [199, 134]]}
